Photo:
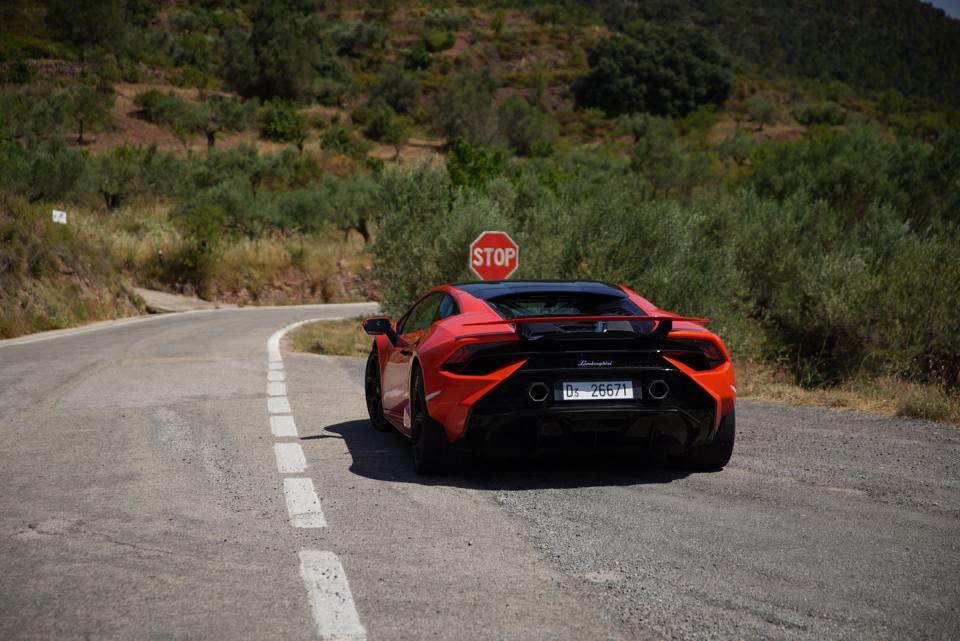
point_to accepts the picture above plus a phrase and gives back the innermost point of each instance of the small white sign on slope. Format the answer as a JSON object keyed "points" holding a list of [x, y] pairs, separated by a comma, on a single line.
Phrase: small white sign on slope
{"points": [[59, 216]]}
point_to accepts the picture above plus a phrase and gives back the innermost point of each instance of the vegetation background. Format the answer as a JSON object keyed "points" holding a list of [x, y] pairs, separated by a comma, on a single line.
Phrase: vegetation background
{"points": [[791, 170]]}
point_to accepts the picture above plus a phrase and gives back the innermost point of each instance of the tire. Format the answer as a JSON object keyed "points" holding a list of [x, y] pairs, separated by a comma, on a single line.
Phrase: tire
{"points": [[432, 452], [715, 454], [372, 389]]}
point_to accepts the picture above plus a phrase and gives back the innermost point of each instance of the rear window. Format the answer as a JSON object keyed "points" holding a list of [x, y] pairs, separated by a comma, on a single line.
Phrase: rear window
{"points": [[562, 304]]}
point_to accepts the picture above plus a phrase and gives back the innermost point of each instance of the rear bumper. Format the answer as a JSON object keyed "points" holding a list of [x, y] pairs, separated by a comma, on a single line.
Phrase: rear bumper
{"points": [[575, 430], [508, 421]]}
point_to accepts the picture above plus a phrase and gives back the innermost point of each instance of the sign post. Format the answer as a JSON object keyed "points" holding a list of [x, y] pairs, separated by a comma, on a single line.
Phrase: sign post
{"points": [[494, 256]]}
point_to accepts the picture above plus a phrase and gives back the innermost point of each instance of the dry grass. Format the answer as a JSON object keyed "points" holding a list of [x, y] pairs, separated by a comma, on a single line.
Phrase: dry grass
{"points": [[53, 276], [333, 338], [883, 396], [278, 269]]}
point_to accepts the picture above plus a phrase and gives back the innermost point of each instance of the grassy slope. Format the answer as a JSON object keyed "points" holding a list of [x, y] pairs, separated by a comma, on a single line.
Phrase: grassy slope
{"points": [[52, 276]]}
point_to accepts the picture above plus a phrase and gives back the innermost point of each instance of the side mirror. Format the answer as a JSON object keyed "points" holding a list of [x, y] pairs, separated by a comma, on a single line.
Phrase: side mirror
{"points": [[380, 325]]}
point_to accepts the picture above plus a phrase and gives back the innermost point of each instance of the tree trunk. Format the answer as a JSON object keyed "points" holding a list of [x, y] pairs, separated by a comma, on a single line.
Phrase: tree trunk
{"points": [[80, 135], [211, 139]]}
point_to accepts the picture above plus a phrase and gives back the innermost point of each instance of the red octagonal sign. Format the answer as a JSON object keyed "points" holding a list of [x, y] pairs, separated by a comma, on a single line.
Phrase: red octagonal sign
{"points": [[494, 256]]}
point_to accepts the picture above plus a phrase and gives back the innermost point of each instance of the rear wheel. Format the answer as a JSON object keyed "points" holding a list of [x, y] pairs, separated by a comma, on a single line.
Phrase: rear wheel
{"points": [[715, 454], [432, 452], [371, 385]]}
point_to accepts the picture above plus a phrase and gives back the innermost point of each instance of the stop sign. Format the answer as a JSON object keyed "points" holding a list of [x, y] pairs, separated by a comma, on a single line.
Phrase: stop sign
{"points": [[494, 256]]}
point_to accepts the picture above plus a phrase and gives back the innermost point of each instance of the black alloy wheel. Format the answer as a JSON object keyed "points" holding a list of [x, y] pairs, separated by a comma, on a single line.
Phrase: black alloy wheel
{"points": [[432, 452], [373, 390]]}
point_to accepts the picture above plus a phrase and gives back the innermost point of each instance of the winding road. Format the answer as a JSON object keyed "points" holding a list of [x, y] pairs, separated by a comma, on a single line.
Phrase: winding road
{"points": [[183, 477]]}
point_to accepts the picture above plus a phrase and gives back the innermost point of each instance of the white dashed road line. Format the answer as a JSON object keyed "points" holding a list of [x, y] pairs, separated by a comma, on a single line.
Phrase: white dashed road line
{"points": [[278, 405], [283, 426], [326, 582], [290, 458], [303, 504], [330, 597]]}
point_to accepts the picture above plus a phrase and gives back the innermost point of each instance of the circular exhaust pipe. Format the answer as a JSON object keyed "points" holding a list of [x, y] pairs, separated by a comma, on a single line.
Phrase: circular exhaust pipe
{"points": [[538, 392], [658, 389]]}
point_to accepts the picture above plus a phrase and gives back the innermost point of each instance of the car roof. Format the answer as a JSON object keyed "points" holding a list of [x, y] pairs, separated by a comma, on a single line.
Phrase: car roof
{"points": [[487, 290]]}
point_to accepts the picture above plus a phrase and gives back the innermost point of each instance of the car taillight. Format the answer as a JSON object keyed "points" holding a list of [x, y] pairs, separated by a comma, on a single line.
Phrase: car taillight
{"points": [[701, 355], [481, 358]]}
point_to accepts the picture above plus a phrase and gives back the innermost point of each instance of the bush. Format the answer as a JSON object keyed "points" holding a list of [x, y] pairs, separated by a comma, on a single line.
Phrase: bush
{"points": [[194, 263], [377, 119], [49, 171], [526, 128], [438, 40], [356, 38], [286, 54], [280, 121], [161, 108], [418, 57], [463, 108], [668, 72], [761, 111], [417, 205], [819, 113], [473, 165], [929, 404], [664, 165], [340, 139], [398, 89]]}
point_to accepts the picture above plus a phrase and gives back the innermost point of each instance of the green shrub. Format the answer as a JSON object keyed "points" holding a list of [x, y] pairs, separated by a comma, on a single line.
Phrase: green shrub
{"points": [[424, 230], [339, 138], [418, 57], [356, 38], [48, 171], [926, 404], [463, 108], [664, 165], [280, 121], [526, 128], [668, 72], [819, 113], [194, 262], [397, 88], [19, 73], [473, 165], [438, 40], [762, 111]]}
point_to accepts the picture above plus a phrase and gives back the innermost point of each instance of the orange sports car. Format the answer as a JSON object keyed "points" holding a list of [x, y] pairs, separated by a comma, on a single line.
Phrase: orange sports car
{"points": [[517, 367]]}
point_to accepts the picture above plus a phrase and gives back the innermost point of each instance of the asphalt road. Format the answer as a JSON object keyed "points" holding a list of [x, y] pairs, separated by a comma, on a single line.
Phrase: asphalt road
{"points": [[141, 498]]}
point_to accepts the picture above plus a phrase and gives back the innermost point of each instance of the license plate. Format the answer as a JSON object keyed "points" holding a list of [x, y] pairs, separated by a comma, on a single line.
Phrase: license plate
{"points": [[595, 390]]}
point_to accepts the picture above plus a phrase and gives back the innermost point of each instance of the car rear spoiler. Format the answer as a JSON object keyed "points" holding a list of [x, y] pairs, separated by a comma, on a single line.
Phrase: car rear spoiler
{"points": [[664, 321]]}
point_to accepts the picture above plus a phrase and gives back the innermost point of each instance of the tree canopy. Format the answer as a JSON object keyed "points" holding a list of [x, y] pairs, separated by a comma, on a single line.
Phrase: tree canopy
{"points": [[667, 72]]}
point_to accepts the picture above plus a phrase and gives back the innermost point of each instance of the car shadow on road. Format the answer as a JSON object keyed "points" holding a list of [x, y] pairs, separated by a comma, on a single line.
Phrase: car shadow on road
{"points": [[386, 456]]}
